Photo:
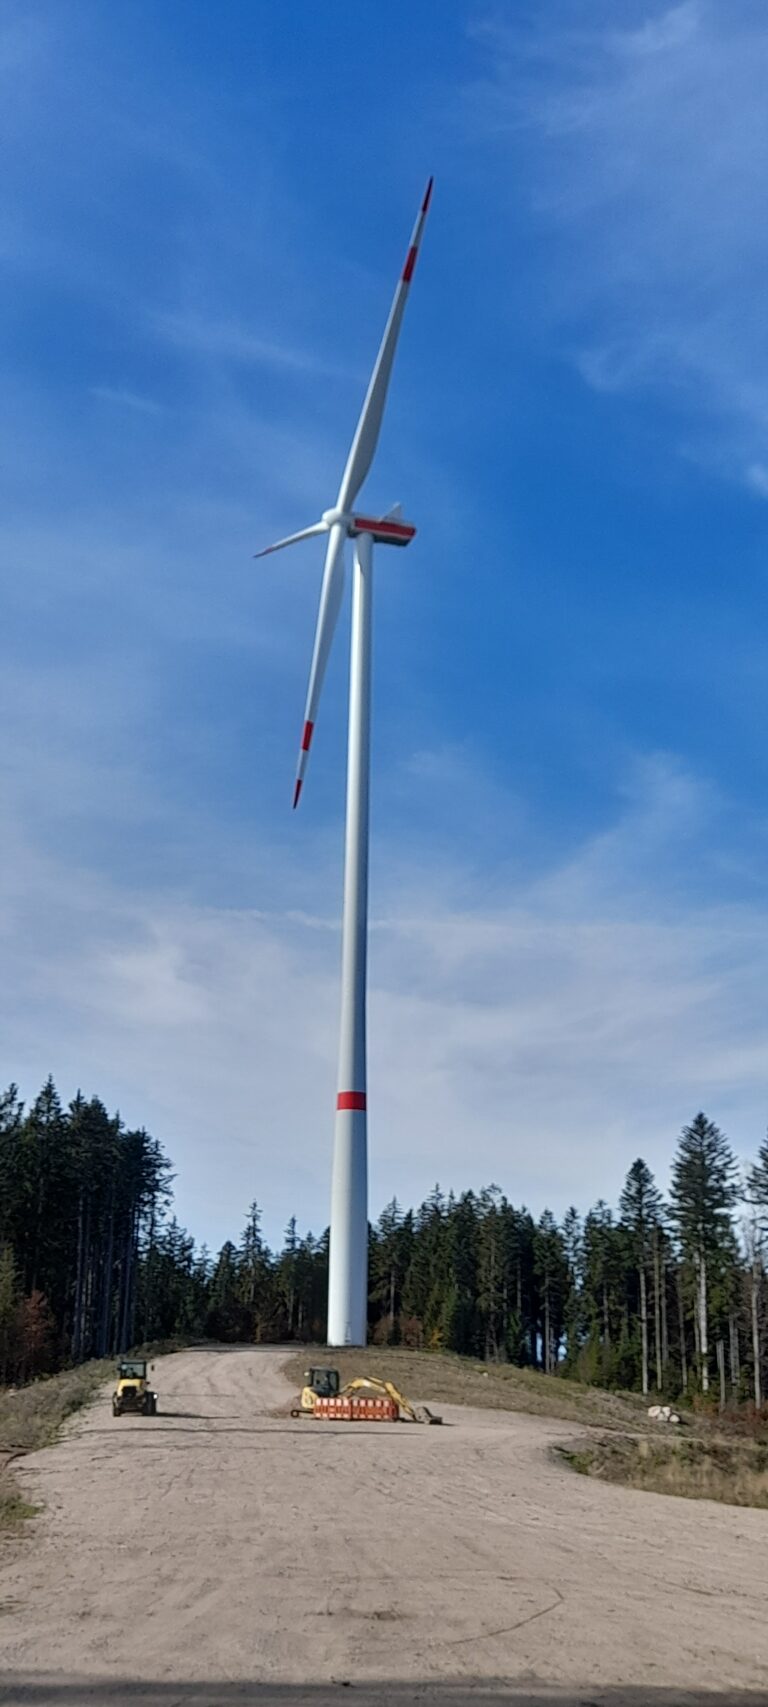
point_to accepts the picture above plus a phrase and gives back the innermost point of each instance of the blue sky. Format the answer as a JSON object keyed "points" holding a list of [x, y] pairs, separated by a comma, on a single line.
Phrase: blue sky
{"points": [[203, 214]]}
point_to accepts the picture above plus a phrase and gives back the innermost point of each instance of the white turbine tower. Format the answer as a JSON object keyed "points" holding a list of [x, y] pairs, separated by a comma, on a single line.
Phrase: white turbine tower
{"points": [[348, 1276]]}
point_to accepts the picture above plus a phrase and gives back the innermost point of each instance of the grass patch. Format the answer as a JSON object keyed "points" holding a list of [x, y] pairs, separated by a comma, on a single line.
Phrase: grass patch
{"points": [[436, 1378], [13, 1507], [734, 1472], [31, 1416]]}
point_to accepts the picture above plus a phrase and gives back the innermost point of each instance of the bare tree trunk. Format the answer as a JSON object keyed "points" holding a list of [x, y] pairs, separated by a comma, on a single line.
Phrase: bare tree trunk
{"points": [[82, 1284], [734, 1354], [754, 1301], [664, 1327], [76, 1352], [681, 1314], [106, 1281], [703, 1342], [657, 1310], [149, 1284], [127, 1284], [721, 1371], [644, 1328]]}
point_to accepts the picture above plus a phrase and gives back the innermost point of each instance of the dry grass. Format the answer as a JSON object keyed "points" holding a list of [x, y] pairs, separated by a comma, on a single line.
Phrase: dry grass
{"points": [[13, 1507], [31, 1416], [734, 1472], [436, 1378]]}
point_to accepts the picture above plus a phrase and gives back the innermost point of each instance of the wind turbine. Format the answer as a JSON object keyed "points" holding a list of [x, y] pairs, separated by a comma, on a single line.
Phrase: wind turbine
{"points": [[348, 1271]]}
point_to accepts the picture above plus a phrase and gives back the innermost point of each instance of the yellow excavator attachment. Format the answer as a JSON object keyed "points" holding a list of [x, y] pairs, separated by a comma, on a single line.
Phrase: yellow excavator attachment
{"points": [[325, 1384], [372, 1384]]}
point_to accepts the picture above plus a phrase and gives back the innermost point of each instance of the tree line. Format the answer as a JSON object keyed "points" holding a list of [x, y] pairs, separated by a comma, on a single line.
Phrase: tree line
{"points": [[664, 1296]]}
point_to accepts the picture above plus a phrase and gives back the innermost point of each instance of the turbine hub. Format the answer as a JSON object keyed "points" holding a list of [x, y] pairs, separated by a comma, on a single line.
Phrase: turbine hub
{"points": [[334, 517]]}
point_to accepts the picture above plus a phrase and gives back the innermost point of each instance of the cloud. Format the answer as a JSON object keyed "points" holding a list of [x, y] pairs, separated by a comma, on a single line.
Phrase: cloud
{"points": [[645, 146], [536, 1017], [237, 343], [540, 1032], [126, 399], [757, 478]]}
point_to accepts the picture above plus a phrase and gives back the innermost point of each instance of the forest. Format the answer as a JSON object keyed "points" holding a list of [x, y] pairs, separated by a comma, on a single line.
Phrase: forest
{"points": [[654, 1295]]}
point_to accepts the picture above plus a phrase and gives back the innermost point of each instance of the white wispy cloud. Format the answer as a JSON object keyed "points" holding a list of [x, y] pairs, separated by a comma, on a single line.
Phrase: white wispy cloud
{"points": [[127, 399], [232, 341], [643, 137], [540, 1034]]}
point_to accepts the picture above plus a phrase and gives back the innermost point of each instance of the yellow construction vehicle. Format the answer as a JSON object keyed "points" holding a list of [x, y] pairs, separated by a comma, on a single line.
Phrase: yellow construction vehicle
{"points": [[323, 1396], [133, 1395], [319, 1384]]}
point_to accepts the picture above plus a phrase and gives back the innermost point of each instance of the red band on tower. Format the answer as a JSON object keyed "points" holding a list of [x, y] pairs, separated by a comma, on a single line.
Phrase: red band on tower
{"points": [[352, 1099]]}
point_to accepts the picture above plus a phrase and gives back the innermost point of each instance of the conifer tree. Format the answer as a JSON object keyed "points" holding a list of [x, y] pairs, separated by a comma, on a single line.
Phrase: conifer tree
{"points": [[640, 1206], [573, 1245], [551, 1269], [10, 1298], [702, 1196], [757, 1186]]}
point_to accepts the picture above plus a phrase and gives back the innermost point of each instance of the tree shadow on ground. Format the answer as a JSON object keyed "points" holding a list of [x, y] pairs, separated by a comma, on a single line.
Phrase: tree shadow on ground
{"points": [[31, 1690]]}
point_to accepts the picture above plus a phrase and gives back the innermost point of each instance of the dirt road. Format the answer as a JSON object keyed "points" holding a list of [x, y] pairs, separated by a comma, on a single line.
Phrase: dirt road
{"points": [[221, 1554]]}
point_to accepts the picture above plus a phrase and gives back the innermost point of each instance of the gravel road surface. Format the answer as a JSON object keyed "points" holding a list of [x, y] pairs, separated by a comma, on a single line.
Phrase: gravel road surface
{"points": [[222, 1554]]}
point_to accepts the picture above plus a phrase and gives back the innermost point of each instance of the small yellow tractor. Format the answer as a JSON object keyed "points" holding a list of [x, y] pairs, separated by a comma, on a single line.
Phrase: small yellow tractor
{"points": [[133, 1396], [322, 1396], [318, 1384]]}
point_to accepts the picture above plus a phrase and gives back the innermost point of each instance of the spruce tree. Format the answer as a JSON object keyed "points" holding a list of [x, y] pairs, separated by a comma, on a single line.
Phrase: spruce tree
{"points": [[492, 1273], [757, 1186], [640, 1206], [385, 1268], [703, 1193], [551, 1269], [9, 1315], [603, 1270]]}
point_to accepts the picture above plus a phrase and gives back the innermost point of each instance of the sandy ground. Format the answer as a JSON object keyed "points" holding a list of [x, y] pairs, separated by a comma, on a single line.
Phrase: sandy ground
{"points": [[220, 1554]]}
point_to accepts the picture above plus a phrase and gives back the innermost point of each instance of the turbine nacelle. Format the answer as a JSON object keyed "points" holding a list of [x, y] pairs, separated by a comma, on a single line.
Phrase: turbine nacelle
{"points": [[384, 530]]}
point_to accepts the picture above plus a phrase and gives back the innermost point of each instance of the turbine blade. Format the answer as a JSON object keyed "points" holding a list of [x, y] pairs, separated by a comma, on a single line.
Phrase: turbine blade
{"points": [[330, 600], [369, 425], [293, 539]]}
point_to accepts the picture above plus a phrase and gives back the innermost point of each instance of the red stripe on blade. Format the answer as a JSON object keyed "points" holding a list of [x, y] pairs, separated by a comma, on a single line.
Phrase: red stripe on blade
{"points": [[351, 1099], [296, 793], [307, 737], [427, 196], [410, 262]]}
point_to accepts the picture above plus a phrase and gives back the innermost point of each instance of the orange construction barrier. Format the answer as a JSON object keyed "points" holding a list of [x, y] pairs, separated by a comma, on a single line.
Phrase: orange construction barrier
{"points": [[355, 1409]]}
